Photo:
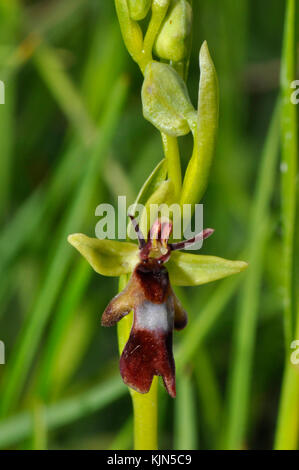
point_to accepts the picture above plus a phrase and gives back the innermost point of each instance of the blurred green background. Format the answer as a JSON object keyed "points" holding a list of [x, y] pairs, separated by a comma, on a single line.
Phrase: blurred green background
{"points": [[72, 136]]}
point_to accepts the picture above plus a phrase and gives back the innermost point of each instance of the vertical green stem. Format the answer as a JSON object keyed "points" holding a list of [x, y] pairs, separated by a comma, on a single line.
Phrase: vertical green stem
{"points": [[172, 155], [287, 432], [288, 167], [145, 406]]}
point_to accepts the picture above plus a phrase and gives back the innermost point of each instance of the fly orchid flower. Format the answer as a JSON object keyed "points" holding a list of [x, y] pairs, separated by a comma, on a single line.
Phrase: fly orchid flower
{"points": [[157, 310]]}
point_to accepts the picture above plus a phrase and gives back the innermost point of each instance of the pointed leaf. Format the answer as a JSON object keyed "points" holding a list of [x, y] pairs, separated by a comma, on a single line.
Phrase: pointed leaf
{"points": [[187, 269], [106, 257]]}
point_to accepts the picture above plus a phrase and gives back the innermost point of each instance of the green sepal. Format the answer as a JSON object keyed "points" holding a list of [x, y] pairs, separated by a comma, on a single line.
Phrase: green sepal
{"points": [[197, 173], [165, 100], [106, 257], [186, 269]]}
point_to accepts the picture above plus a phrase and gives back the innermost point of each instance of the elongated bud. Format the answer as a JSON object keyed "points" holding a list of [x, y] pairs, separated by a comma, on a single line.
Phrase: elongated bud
{"points": [[139, 9], [173, 40], [165, 99]]}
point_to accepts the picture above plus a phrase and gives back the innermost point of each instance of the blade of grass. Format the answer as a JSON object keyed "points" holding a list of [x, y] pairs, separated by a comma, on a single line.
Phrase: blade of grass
{"points": [[209, 396], [75, 289], [203, 324], [246, 321], [123, 439], [287, 432], [24, 352], [64, 412], [288, 167], [185, 431]]}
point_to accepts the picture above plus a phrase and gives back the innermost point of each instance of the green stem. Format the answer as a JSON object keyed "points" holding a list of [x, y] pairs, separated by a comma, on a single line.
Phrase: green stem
{"points": [[287, 432], [288, 167], [145, 406], [172, 155], [159, 10]]}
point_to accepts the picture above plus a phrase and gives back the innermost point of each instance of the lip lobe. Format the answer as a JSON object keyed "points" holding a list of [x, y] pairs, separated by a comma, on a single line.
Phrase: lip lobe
{"points": [[148, 353]]}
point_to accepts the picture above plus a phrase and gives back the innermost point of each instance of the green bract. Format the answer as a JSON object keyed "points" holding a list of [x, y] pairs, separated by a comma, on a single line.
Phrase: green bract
{"points": [[196, 178], [165, 100], [139, 8], [173, 40], [150, 186]]}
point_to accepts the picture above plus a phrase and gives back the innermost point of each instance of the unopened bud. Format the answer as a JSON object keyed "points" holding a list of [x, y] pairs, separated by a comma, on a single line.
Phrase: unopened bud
{"points": [[173, 40], [165, 99], [139, 8]]}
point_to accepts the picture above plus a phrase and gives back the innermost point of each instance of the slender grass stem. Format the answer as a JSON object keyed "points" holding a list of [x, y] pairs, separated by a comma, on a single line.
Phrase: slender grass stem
{"points": [[185, 433], [247, 316], [288, 167], [287, 431]]}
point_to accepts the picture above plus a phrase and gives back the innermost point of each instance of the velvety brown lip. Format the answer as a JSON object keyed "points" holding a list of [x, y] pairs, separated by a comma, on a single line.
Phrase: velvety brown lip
{"points": [[147, 354]]}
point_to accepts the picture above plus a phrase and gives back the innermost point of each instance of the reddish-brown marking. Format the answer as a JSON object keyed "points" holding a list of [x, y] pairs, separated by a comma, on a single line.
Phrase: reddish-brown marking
{"points": [[148, 353]]}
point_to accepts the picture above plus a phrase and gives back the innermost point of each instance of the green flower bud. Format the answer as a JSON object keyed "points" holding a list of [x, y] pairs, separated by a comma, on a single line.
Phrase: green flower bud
{"points": [[165, 100], [173, 40], [139, 9]]}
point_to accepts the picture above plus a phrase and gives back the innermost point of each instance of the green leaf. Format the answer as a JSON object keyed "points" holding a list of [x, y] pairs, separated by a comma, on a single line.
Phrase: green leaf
{"points": [[197, 173], [186, 269], [165, 100], [106, 257]]}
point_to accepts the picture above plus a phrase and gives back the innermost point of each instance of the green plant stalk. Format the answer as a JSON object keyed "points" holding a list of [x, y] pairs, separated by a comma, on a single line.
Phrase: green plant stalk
{"points": [[159, 10], [145, 406], [172, 155], [247, 316], [288, 167], [287, 431], [185, 433]]}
